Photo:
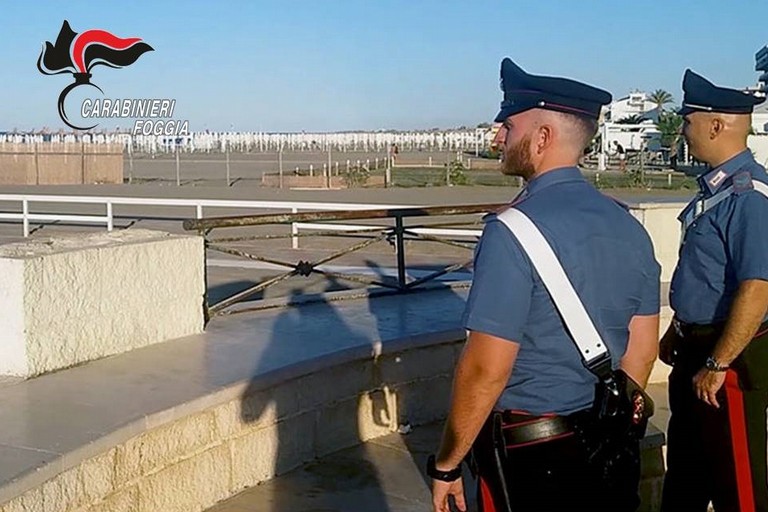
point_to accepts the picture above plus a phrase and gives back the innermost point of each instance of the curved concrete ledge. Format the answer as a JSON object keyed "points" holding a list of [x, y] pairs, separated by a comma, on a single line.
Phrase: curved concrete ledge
{"points": [[182, 425]]}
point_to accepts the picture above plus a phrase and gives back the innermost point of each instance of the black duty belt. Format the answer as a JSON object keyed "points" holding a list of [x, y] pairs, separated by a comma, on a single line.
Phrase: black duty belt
{"points": [[685, 330], [522, 430], [697, 330]]}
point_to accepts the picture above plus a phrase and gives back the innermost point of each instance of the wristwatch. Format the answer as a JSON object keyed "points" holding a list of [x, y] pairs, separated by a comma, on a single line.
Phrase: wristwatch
{"points": [[444, 476], [712, 365]]}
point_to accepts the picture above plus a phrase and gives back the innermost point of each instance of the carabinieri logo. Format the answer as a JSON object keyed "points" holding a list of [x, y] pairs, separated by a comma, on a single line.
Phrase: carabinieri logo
{"points": [[80, 53]]}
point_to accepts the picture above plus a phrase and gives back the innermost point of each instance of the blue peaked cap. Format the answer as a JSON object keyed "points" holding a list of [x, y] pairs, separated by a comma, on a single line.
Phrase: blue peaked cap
{"points": [[701, 95], [523, 91]]}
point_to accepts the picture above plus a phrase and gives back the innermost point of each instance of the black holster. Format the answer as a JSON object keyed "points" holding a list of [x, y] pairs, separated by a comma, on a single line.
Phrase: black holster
{"points": [[610, 432]]}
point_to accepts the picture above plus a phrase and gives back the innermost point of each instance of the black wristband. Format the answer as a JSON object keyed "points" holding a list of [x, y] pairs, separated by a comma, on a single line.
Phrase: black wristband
{"points": [[444, 476]]}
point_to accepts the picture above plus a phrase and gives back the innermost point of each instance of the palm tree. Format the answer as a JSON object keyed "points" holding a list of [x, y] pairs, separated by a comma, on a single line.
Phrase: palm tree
{"points": [[631, 119], [669, 125], [660, 97]]}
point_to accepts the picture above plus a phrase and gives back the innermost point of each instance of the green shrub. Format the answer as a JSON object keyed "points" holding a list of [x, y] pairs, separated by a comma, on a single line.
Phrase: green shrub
{"points": [[355, 176]]}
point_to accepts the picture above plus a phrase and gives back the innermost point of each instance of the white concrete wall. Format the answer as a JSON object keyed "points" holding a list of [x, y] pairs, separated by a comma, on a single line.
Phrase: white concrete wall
{"points": [[660, 220], [67, 300], [660, 371], [12, 350], [760, 122], [759, 146]]}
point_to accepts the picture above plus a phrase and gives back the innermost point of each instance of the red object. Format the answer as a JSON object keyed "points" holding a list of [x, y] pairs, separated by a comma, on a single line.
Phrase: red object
{"points": [[486, 499], [738, 423], [82, 41]]}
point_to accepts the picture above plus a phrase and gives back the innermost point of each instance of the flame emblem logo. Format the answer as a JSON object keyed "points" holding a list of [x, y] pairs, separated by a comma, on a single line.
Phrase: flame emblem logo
{"points": [[78, 54]]}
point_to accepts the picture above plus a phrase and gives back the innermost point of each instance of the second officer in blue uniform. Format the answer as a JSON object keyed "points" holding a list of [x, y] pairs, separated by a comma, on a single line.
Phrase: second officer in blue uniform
{"points": [[519, 358], [718, 388]]}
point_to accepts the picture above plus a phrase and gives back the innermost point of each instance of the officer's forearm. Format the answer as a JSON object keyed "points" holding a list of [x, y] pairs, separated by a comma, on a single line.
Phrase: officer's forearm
{"points": [[481, 374], [640, 371], [746, 315], [642, 348], [474, 395]]}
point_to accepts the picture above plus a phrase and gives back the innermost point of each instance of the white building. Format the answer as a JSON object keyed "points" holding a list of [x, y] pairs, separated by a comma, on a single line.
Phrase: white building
{"points": [[636, 104], [632, 137], [761, 64], [760, 119]]}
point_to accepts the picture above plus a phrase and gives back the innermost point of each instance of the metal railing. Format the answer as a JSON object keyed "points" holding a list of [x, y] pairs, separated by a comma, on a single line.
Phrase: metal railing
{"points": [[27, 214], [442, 232]]}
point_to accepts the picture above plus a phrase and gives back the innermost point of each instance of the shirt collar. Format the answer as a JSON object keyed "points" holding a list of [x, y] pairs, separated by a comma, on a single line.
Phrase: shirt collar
{"points": [[713, 180], [553, 177]]}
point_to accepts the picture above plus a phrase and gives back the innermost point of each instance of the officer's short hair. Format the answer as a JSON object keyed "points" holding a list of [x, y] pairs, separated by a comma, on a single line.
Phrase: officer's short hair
{"points": [[587, 128], [583, 128]]}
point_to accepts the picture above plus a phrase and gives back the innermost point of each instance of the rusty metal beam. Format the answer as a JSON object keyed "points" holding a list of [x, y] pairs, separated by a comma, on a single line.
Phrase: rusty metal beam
{"points": [[437, 274], [341, 234], [356, 278], [223, 304], [351, 248], [247, 255], [430, 238], [287, 218]]}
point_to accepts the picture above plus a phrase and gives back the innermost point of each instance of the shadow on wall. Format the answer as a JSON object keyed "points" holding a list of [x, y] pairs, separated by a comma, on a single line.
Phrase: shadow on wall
{"points": [[306, 420], [303, 431]]}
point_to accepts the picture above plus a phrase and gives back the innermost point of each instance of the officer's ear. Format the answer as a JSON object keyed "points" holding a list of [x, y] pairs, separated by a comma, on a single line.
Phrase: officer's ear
{"points": [[716, 127], [545, 135]]}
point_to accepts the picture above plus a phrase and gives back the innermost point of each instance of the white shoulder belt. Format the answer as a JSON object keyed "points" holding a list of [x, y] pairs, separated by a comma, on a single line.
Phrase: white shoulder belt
{"points": [[591, 346]]}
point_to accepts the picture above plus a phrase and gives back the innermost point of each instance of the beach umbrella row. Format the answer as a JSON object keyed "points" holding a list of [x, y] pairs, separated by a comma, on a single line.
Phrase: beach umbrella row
{"points": [[449, 140]]}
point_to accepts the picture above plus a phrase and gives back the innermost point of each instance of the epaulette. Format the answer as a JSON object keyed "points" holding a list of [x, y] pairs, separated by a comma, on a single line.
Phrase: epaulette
{"points": [[742, 182]]}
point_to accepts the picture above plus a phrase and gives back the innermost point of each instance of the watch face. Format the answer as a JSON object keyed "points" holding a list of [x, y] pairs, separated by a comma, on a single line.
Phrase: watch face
{"points": [[713, 365]]}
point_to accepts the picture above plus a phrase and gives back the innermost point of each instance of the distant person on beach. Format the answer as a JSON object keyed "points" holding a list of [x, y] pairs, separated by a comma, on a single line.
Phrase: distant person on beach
{"points": [[621, 154], [673, 151], [717, 342], [393, 152], [526, 401]]}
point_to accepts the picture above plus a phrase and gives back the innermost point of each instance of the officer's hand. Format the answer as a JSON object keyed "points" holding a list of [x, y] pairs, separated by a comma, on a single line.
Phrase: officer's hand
{"points": [[706, 384], [442, 490], [667, 347]]}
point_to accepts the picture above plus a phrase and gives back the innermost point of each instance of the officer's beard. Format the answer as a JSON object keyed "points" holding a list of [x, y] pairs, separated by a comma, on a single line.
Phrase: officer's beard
{"points": [[517, 161]]}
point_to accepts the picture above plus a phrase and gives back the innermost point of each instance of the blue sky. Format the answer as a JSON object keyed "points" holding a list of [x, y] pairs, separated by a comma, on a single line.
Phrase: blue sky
{"points": [[387, 64]]}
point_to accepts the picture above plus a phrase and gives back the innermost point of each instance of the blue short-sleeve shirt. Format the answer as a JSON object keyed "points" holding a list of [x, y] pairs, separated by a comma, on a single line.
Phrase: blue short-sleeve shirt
{"points": [[608, 257], [724, 246]]}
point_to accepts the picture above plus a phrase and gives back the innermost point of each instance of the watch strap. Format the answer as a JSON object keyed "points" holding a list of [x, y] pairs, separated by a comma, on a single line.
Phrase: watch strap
{"points": [[714, 366], [444, 476]]}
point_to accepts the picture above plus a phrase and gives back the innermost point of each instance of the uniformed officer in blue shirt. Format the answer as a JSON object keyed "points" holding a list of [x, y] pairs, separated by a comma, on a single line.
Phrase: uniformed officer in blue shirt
{"points": [[718, 388], [519, 358]]}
